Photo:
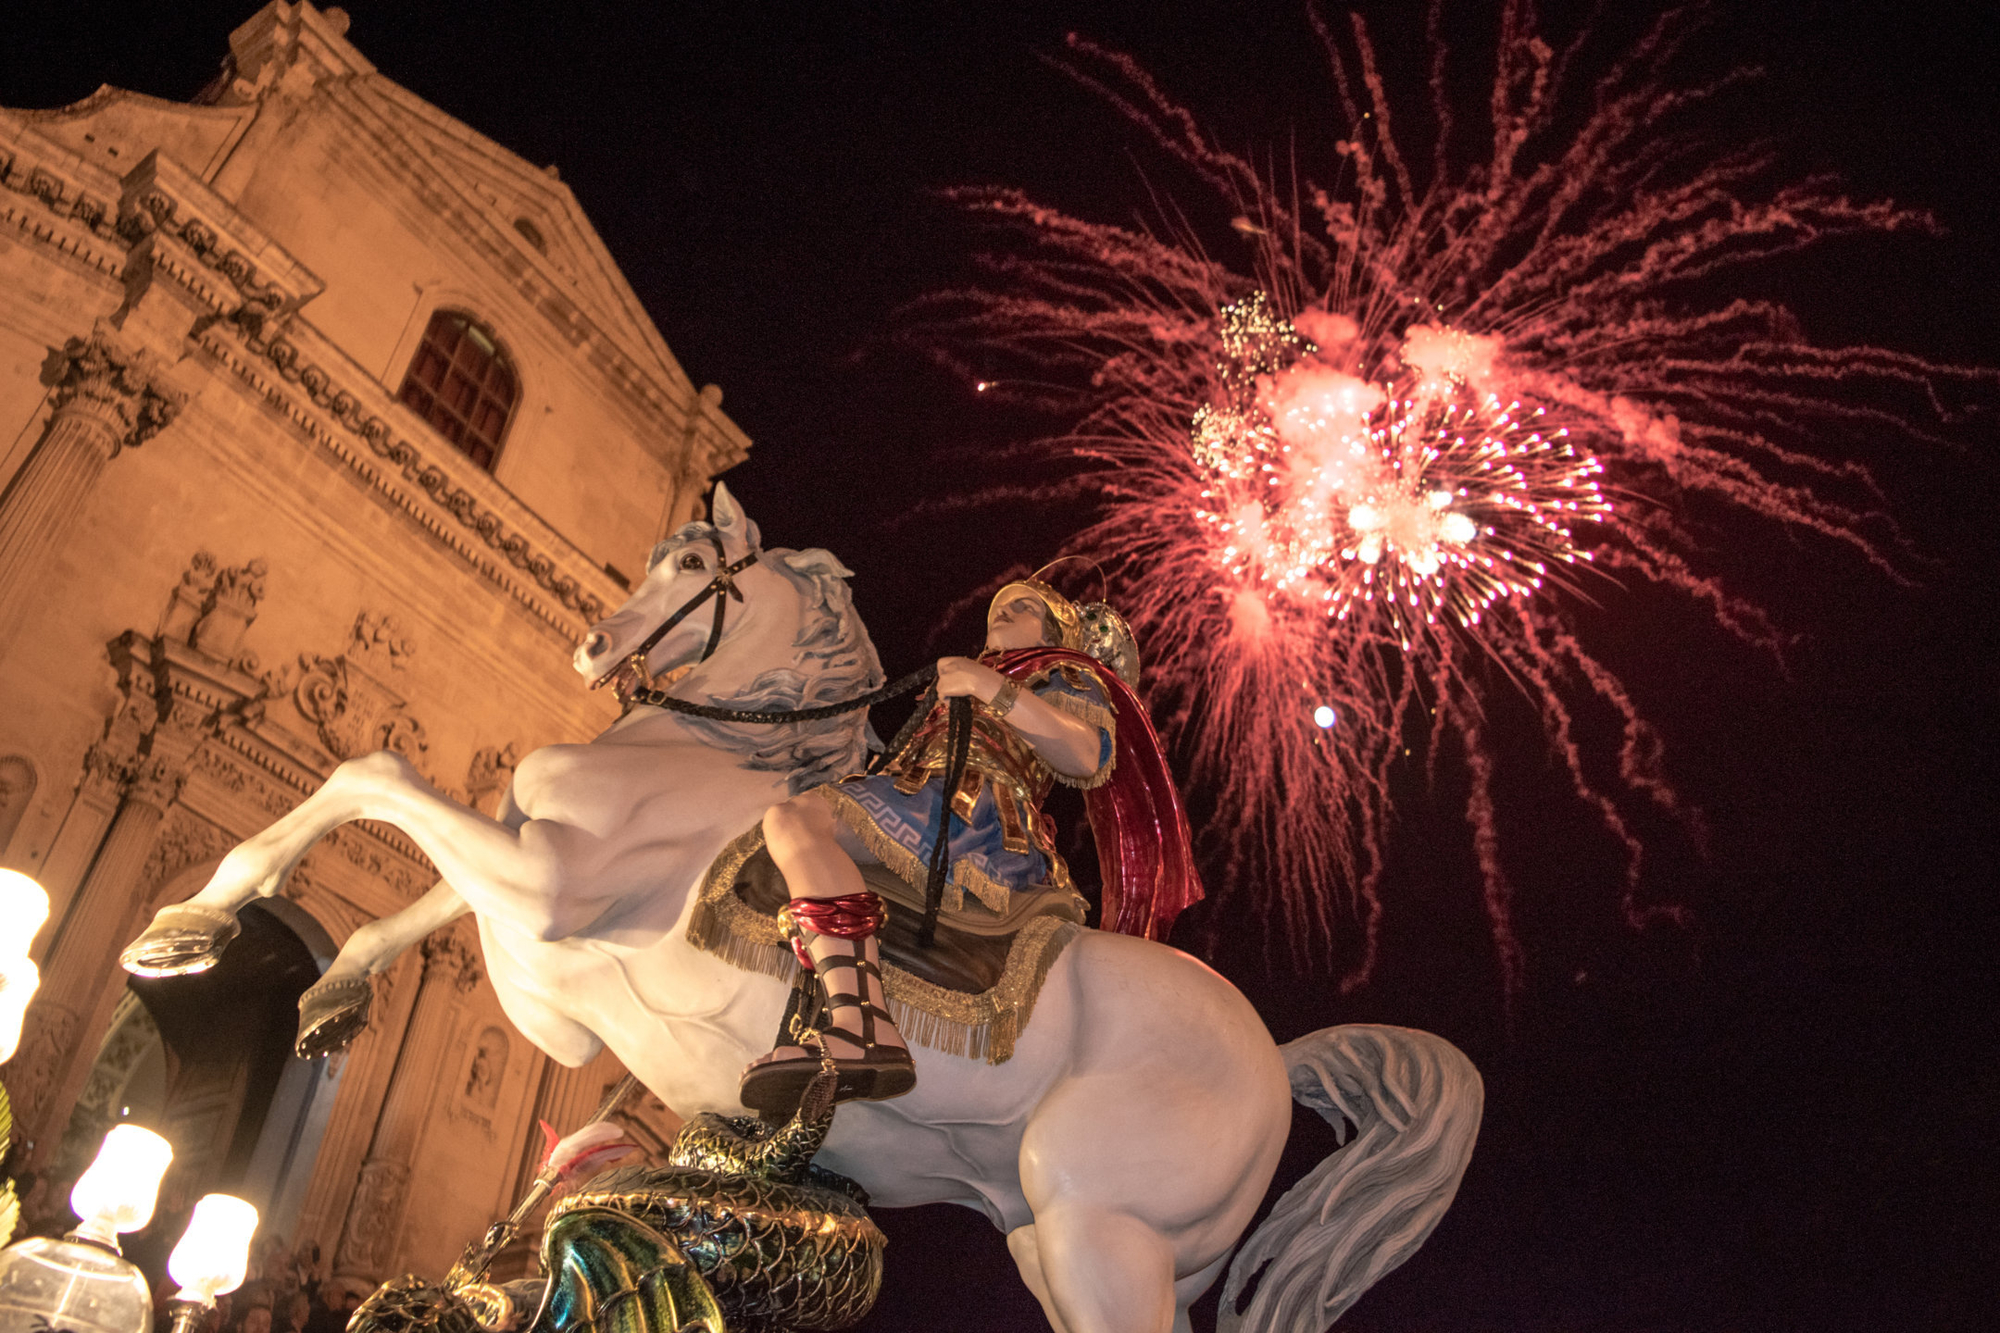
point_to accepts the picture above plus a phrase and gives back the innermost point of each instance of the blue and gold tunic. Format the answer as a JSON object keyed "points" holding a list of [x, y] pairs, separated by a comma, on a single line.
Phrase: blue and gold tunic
{"points": [[1001, 840]]}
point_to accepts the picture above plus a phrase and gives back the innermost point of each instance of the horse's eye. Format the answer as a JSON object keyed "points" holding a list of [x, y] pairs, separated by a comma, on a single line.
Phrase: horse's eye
{"points": [[691, 561]]}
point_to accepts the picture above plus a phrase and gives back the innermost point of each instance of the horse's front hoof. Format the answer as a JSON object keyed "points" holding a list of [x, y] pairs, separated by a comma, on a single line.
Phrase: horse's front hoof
{"points": [[182, 939], [332, 1014]]}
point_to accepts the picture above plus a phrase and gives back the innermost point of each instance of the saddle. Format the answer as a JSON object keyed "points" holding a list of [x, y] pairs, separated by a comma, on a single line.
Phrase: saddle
{"points": [[971, 993]]}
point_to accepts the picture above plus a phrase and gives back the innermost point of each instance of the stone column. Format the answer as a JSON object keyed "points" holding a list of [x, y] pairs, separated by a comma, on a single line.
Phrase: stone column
{"points": [[107, 399], [375, 1217], [363, 1083], [107, 767], [81, 979]]}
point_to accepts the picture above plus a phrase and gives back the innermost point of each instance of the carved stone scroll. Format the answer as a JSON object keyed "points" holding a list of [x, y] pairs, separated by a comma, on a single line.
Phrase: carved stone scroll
{"points": [[349, 698]]}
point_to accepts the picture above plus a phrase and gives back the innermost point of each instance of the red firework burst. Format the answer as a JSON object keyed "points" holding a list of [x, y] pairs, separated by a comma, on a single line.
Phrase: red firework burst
{"points": [[1341, 485]]}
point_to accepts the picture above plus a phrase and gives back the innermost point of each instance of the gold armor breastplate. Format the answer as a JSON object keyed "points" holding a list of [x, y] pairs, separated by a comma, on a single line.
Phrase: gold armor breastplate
{"points": [[998, 757]]}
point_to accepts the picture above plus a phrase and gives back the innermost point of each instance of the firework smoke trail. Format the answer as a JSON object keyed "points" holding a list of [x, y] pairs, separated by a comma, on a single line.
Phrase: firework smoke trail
{"points": [[1377, 470]]}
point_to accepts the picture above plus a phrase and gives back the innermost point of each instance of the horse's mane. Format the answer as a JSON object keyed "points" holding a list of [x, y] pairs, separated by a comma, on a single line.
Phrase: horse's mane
{"points": [[832, 638]]}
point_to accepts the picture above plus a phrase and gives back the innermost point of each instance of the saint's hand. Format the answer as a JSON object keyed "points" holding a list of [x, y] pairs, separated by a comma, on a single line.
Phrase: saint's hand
{"points": [[963, 676]]}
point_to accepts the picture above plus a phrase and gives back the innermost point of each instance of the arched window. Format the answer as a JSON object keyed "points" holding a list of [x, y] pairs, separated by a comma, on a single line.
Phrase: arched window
{"points": [[463, 384]]}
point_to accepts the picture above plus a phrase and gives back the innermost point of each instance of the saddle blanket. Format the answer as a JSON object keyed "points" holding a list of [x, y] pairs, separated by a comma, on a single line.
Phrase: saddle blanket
{"points": [[971, 993]]}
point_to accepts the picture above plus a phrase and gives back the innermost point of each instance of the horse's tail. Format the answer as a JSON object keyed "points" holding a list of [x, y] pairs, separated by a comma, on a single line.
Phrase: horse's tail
{"points": [[1413, 1102]]}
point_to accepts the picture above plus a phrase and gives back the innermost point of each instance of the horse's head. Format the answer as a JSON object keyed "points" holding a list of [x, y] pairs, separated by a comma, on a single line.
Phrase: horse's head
{"points": [[790, 639], [790, 635], [688, 573]]}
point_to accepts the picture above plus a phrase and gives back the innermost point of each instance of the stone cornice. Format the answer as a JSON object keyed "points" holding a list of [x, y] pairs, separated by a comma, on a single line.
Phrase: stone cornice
{"points": [[57, 199], [158, 213], [186, 221], [343, 408]]}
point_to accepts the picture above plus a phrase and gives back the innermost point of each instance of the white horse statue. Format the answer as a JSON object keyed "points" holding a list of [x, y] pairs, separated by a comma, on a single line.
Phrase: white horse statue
{"points": [[1124, 1146]]}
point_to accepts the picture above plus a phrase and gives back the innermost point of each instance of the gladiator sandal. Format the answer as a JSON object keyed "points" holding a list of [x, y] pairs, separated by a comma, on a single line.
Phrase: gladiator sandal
{"points": [[835, 939]]}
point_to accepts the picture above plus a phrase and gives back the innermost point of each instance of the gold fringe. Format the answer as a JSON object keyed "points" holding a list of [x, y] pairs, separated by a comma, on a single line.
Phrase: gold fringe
{"points": [[1097, 716], [720, 917], [983, 1026]]}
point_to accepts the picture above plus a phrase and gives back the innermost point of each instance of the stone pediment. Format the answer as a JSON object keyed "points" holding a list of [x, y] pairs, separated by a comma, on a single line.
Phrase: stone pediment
{"points": [[114, 127], [557, 241]]}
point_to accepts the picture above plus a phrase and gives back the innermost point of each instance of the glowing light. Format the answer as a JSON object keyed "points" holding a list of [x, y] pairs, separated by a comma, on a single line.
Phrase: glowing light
{"points": [[214, 1254], [24, 906], [1407, 437], [117, 1192], [1324, 717]]}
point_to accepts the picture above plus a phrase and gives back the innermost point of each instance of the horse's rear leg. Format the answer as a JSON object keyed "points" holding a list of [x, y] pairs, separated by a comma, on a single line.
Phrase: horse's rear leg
{"points": [[1100, 1270], [1025, 1245], [334, 1011]]}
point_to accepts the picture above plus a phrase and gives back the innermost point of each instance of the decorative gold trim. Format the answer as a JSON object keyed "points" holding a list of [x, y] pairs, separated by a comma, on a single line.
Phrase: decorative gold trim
{"points": [[726, 926], [1097, 716], [985, 1026], [962, 879]]}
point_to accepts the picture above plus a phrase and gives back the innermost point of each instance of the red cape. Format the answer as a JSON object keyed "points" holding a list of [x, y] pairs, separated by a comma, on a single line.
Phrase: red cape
{"points": [[1144, 851]]}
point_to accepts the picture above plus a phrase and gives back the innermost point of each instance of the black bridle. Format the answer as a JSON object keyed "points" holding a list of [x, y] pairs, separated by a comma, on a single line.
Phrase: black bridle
{"points": [[722, 588]]}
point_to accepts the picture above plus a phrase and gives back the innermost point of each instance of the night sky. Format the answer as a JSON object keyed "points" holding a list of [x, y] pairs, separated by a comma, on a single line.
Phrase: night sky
{"points": [[1780, 1118]]}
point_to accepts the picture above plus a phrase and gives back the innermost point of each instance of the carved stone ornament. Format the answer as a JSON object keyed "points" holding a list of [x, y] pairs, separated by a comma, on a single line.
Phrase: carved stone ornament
{"points": [[428, 476], [157, 781], [52, 1031], [449, 957], [189, 598], [111, 761], [181, 842], [115, 388], [485, 1070], [373, 1217], [491, 772], [61, 197], [349, 700], [230, 610], [155, 212]]}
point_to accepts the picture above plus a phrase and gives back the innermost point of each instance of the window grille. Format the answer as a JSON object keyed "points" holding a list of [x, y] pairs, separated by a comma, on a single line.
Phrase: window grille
{"points": [[462, 383]]}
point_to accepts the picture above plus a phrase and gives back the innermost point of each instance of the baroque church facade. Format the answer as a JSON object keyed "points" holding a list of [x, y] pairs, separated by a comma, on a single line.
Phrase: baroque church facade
{"points": [[326, 425]]}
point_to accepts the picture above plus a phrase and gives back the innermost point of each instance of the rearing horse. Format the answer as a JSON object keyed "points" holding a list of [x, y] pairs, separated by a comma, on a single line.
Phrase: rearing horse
{"points": [[1124, 1146]]}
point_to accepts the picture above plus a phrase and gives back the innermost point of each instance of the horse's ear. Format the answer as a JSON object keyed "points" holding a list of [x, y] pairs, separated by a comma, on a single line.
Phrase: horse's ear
{"points": [[815, 562], [727, 515]]}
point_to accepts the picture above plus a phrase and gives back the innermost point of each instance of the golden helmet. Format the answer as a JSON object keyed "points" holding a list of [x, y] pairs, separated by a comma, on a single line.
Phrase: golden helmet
{"points": [[1093, 628]]}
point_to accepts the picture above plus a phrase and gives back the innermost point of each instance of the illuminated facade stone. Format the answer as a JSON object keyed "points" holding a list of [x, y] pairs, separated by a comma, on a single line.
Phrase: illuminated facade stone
{"points": [[231, 556]]}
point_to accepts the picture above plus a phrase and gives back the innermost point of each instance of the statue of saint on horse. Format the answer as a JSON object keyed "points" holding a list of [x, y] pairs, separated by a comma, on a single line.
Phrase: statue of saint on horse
{"points": [[957, 811], [1114, 1107]]}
